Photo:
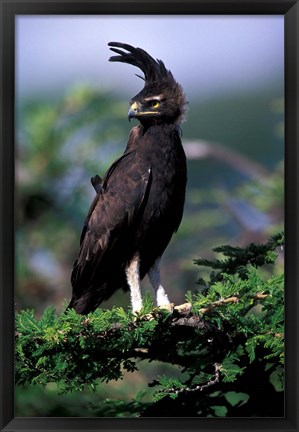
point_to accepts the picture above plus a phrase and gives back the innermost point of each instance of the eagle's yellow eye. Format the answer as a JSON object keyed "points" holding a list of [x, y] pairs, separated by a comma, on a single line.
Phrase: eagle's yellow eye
{"points": [[155, 104]]}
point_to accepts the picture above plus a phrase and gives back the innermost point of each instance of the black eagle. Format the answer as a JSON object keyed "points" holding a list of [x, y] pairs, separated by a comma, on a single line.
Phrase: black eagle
{"points": [[139, 203]]}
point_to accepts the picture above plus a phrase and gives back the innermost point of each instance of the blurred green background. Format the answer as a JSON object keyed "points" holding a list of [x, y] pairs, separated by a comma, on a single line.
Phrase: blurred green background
{"points": [[71, 112]]}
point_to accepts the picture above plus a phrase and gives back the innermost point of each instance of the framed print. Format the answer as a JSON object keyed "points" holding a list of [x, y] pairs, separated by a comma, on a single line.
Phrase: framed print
{"points": [[149, 267]]}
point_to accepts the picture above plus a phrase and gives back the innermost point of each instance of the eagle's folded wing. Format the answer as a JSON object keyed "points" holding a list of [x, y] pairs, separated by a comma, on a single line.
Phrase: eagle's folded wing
{"points": [[113, 212]]}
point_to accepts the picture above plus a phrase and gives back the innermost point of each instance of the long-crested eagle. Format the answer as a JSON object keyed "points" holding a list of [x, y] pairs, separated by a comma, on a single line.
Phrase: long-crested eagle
{"points": [[139, 203]]}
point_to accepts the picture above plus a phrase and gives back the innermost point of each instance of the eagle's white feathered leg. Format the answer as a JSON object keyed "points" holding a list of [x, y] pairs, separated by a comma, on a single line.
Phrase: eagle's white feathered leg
{"points": [[155, 280], [133, 278]]}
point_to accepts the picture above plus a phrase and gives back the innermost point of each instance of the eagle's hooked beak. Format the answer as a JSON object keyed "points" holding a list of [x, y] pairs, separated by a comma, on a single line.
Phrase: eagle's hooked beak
{"points": [[134, 110]]}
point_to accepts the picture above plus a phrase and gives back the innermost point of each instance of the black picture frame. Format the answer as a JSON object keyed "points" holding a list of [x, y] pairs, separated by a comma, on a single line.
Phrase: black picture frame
{"points": [[9, 9]]}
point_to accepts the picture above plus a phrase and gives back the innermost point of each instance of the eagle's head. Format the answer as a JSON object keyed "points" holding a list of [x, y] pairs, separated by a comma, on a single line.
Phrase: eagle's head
{"points": [[162, 99]]}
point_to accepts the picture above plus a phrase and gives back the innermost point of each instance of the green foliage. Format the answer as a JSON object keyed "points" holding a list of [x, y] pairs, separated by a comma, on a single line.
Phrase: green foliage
{"points": [[119, 408], [229, 344], [240, 260]]}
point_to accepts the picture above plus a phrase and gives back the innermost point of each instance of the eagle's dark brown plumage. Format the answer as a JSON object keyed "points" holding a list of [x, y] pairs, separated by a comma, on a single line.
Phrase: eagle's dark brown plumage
{"points": [[139, 203]]}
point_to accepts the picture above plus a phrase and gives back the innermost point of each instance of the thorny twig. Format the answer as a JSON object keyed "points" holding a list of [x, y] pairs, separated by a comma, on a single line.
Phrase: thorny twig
{"points": [[199, 387]]}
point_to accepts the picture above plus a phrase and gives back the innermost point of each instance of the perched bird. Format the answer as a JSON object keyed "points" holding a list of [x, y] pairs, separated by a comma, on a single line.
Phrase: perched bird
{"points": [[140, 200]]}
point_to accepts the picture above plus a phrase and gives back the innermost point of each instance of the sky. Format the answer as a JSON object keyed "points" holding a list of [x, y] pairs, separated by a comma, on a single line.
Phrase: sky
{"points": [[208, 55]]}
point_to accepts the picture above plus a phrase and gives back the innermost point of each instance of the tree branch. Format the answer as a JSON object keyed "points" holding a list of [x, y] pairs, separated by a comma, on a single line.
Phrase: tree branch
{"points": [[206, 150]]}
